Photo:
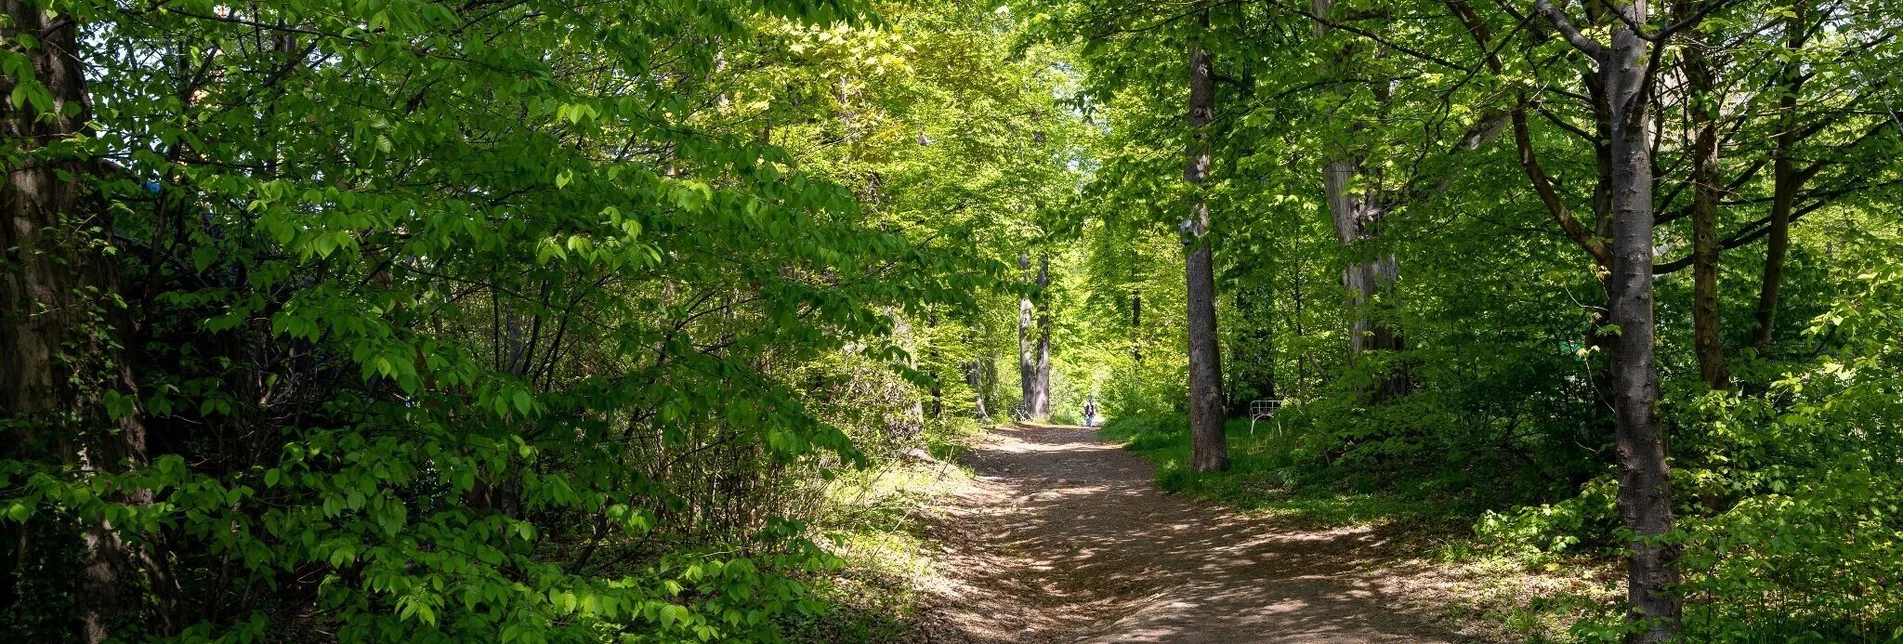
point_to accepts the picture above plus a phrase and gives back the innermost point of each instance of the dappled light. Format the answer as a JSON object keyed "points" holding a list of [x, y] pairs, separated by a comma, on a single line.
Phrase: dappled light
{"points": [[1062, 537], [984, 321]]}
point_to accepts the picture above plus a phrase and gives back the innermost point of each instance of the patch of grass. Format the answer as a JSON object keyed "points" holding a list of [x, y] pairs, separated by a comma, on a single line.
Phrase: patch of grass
{"points": [[872, 522], [1267, 473]]}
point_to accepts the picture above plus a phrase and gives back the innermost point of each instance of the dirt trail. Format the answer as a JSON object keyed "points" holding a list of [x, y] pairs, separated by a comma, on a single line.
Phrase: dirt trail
{"points": [[1063, 538]]}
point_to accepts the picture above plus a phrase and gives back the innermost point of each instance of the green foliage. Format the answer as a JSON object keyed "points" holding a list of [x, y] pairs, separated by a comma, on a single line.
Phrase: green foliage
{"points": [[1781, 485], [520, 322], [1267, 473]]}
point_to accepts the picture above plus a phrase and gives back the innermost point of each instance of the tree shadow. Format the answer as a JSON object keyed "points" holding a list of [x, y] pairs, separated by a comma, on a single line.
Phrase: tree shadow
{"points": [[1064, 538]]}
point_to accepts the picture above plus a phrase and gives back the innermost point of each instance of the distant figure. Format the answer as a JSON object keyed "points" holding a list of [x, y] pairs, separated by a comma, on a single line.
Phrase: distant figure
{"points": [[1090, 410]]}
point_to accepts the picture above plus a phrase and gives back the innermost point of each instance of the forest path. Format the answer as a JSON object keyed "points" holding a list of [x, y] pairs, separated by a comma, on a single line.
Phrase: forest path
{"points": [[1065, 538]]}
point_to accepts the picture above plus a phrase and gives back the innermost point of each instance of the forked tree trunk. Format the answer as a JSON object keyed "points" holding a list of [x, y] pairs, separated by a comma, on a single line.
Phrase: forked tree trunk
{"points": [[1645, 495], [1209, 449]]}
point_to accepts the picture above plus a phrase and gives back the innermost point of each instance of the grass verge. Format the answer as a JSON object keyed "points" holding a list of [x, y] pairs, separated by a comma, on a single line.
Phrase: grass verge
{"points": [[874, 522]]}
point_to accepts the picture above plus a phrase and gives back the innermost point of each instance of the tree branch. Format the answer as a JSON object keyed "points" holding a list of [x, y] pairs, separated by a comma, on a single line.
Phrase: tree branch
{"points": [[1567, 30]]}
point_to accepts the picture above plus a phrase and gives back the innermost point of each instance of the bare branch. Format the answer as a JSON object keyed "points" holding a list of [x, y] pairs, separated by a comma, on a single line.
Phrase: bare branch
{"points": [[1567, 30]]}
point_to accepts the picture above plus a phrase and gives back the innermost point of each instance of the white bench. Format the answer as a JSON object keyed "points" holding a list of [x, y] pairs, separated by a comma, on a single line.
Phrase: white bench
{"points": [[1260, 409]]}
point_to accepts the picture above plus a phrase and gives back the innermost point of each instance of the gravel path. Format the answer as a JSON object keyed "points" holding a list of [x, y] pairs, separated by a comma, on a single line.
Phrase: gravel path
{"points": [[1064, 538]]}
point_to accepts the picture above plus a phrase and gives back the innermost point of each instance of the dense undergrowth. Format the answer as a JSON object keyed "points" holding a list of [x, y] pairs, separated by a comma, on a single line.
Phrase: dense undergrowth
{"points": [[494, 321], [1787, 520]]}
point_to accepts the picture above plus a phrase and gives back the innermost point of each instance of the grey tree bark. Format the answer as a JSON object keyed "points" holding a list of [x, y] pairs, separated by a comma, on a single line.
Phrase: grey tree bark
{"points": [[1624, 71], [1356, 215], [1040, 404], [1209, 449], [1027, 356], [1034, 352], [975, 378]]}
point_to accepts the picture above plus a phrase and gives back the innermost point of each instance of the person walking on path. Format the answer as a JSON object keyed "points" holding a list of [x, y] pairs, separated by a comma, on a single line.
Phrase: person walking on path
{"points": [[1090, 410]]}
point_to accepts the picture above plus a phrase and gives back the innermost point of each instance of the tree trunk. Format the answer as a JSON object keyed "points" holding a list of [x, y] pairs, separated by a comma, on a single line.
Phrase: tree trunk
{"points": [[1136, 327], [1645, 497], [1034, 352], [49, 335], [1356, 217], [1786, 181], [975, 378], [1706, 340], [1209, 450], [1027, 353], [1041, 402], [1252, 355], [931, 362]]}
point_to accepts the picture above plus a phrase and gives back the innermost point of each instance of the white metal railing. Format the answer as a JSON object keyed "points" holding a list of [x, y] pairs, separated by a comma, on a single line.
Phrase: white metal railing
{"points": [[1260, 409], [1021, 413]]}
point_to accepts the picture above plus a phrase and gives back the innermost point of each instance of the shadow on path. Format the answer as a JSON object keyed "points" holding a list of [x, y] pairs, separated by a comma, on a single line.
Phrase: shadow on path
{"points": [[1064, 538]]}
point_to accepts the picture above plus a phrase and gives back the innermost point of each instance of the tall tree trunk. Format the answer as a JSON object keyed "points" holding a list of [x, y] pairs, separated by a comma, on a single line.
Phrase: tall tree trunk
{"points": [[1252, 355], [989, 379], [1041, 400], [975, 378], [1356, 216], [1136, 327], [931, 362], [1209, 449], [914, 422], [55, 282], [1645, 497], [1786, 179], [1034, 351], [1027, 351], [1295, 305], [1706, 340]]}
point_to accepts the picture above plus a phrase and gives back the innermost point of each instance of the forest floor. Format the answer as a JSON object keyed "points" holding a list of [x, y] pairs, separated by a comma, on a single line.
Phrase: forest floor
{"points": [[1062, 537]]}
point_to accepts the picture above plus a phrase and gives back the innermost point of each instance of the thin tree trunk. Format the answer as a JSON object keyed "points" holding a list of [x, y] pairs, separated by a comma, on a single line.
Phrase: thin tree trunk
{"points": [[1645, 498], [1209, 449], [1295, 302], [1136, 327], [990, 380], [1252, 356], [931, 362], [1706, 339], [1786, 181], [1041, 399]]}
